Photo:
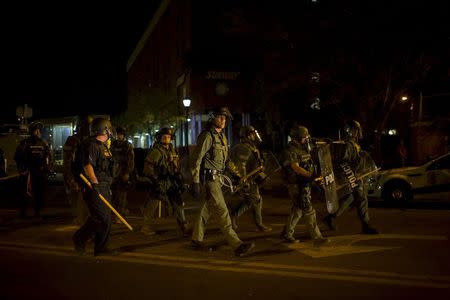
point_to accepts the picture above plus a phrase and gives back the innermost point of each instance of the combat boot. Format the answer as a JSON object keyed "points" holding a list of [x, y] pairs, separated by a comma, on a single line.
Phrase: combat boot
{"points": [[290, 240], [244, 249], [367, 229], [147, 230], [317, 242], [263, 228], [330, 221]]}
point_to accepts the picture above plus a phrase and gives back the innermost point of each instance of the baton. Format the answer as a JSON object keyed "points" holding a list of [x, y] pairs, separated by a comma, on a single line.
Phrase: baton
{"points": [[107, 203], [245, 178]]}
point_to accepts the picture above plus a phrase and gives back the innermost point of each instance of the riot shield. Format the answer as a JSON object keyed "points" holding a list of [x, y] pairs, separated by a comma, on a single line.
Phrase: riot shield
{"points": [[327, 173], [350, 176]]}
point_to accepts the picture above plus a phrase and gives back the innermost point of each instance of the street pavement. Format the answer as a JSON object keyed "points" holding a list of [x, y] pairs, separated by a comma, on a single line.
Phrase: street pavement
{"points": [[409, 259]]}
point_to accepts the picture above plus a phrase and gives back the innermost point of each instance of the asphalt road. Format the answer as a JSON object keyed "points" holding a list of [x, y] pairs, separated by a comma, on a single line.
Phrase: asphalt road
{"points": [[408, 260]]}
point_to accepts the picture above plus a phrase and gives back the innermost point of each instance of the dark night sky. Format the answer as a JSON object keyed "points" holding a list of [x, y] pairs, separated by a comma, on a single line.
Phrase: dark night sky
{"points": [[70, 58], [65, 59]]}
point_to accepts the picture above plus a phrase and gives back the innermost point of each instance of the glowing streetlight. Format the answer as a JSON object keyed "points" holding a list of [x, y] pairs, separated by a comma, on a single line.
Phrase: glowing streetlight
{"points": [[404, 98], [186, 104]]}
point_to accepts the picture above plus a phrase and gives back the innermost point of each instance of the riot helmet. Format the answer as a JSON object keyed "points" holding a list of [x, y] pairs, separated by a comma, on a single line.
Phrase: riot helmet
{"points": [[35, 125], [83, 123], [101, 126], [353, 130], [249, 132], [164, 131], [298, 132], [120, 130], [223, 110]]}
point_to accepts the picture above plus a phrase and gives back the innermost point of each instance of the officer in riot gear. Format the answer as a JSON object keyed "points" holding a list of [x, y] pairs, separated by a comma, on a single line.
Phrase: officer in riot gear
{"points": [[98, 167], [72, 167], [33, 161], [351, 155], [2, 164], [209, 161], [123, 155], [247, 157], [299, 174], [162, 168]]}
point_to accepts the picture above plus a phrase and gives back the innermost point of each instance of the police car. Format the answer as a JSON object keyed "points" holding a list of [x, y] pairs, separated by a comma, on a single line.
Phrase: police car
{"points": [[402, 183]]}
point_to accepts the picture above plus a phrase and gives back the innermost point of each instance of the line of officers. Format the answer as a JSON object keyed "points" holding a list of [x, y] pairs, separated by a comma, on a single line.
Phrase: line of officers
{"points": [[109, 165]]}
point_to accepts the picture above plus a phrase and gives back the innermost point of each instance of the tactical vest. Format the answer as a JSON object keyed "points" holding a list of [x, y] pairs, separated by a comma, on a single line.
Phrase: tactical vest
{"points": [[170, 162], [104, 164], [304, 159], [218, 151], [36, 154]]}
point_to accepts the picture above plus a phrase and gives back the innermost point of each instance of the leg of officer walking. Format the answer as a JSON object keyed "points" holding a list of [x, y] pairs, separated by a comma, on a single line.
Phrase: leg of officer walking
{"points": [[93, 224], [219, 211], [122, 201], [104, 213], [198, 232], [362, 205], [344, 204], [177, 205], [311, 222], [38, 182], [148, 212], [296, 212]]}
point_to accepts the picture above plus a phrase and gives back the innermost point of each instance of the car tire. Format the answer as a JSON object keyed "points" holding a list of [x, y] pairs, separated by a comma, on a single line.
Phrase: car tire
{"points": [[397, 192]]}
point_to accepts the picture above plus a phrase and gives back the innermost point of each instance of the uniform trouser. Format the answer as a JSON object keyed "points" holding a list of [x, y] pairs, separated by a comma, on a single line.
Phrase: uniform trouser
{"points": [[38, 186], [358, 197], [78, 206], [119, 199], [152, 204], [251, 199], [301, 207], [215, 207], [98, 223]]}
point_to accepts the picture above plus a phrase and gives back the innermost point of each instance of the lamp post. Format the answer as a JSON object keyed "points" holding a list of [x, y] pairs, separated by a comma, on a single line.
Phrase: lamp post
{"points": [[186, 104]]}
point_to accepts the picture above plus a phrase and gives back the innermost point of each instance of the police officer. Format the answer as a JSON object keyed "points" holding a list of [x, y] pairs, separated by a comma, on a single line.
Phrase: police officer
{"points": [[162, 167], [33, 159], [2, 163], [123, 155], [298, 172], [352, 155], [208, 162], [72, 167], [98, 168], [247, 157]]}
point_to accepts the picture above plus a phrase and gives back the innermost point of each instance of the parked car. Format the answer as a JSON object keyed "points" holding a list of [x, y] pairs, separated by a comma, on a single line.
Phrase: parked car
{"points": [[401, 184]]}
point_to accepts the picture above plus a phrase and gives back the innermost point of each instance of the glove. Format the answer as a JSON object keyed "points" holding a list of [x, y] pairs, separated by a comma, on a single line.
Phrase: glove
{"points": [[195, 190]]}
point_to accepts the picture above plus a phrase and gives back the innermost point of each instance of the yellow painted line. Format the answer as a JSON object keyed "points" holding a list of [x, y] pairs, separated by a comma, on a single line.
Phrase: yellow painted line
{"points": [[238, 262], [238, 269], [67, 228]]}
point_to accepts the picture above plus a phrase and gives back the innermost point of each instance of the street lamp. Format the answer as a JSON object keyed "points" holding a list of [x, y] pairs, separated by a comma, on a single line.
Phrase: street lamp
{"points": [[186, 104]]}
